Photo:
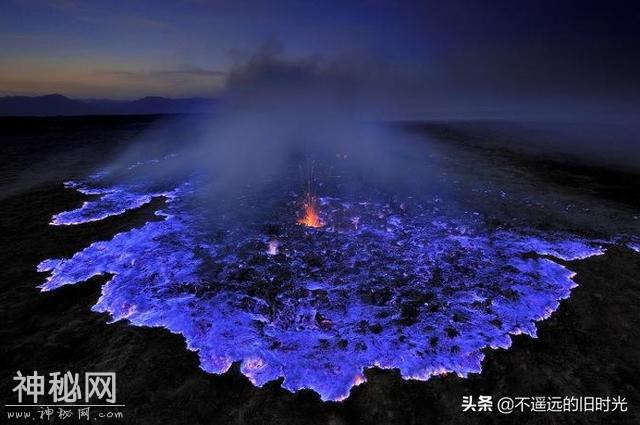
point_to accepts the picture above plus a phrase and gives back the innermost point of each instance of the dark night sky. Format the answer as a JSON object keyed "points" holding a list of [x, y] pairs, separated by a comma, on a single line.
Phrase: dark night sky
{"points": [[453, 56]]}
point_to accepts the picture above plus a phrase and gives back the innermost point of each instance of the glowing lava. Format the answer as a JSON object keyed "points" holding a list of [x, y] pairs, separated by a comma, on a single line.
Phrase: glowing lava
{"points": [[274, 247], [417, 288], [311, 218]]}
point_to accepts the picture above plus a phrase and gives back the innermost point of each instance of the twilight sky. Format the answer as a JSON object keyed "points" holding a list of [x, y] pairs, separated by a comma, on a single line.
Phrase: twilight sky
{"points": [[465, 54]]}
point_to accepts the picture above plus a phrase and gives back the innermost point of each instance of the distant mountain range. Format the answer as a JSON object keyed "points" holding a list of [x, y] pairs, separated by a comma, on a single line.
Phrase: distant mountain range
{"points": [[56, 104]]}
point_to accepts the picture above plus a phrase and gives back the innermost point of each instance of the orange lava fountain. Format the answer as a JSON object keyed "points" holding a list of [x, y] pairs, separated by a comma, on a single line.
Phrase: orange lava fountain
{"points": [[311, 218]]}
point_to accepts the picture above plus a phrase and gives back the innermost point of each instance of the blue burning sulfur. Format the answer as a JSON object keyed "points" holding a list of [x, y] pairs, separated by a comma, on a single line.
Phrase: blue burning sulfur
{"points": [[393, 283]]}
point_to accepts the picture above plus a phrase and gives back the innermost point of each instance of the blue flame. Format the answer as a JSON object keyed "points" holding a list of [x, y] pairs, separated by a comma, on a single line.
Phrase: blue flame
{"points": [[388, 284]]}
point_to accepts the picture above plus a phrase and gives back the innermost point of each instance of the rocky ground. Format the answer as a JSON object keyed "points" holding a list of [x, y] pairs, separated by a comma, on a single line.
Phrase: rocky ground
{"points": [[589, 347]]}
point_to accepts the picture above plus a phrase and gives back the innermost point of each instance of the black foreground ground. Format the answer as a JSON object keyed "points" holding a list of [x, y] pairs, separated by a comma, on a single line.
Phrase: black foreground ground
{"points": [[589, 347]]}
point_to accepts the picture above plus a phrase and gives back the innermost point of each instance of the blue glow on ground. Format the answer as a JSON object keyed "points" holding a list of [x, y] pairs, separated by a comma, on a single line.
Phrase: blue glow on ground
{"points": [[390, 284]]}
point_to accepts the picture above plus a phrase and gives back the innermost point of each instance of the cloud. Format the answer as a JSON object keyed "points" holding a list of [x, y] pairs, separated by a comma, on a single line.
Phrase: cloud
{"points": [[96, 14], [117, 83], [128, 21], [187, 80], [186, 71]]}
